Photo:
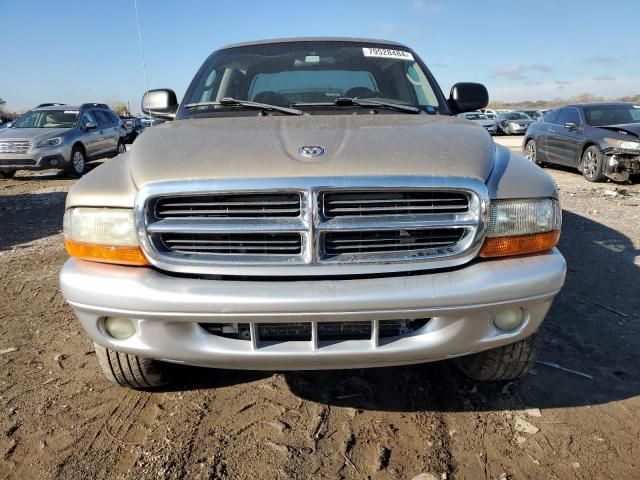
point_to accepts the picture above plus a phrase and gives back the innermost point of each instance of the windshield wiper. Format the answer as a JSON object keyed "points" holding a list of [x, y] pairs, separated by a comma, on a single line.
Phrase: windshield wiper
{"points": [[228, 101], [346, 101]]}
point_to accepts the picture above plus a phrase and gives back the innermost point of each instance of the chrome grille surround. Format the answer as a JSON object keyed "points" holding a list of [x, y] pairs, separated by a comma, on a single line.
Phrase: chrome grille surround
{"points": [[15, 146], [313, 226]]}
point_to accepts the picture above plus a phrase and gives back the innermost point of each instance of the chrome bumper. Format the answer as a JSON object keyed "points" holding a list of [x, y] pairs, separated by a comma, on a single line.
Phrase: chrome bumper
{"points": [[167, 311]]}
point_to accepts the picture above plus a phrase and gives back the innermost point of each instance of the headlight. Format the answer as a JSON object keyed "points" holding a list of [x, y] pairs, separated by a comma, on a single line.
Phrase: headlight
{"points": [[519, 227], [624, 144], [50, 142], [103, 235]]}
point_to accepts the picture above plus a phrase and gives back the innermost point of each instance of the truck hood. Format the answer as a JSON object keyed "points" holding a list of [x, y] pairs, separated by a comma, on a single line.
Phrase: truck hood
{"points": [[355, 145], [30, 134]]}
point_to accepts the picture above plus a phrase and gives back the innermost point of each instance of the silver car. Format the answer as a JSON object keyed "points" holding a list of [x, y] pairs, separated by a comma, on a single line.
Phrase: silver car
{"points": [[60, 136], [513, 123], [481, 119]]}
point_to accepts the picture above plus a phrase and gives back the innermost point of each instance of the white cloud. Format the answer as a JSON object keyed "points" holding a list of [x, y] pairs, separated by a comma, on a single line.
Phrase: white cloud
{"points": [[422, 6], [387, 28], [520, 71], [515, 92]]}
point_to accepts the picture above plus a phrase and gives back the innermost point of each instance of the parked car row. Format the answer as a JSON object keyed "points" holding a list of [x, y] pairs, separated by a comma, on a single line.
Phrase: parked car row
{"points": [[61, 136]]}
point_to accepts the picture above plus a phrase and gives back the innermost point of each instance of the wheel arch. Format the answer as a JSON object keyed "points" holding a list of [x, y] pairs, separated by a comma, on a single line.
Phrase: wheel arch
{"points": [[585, 145]]}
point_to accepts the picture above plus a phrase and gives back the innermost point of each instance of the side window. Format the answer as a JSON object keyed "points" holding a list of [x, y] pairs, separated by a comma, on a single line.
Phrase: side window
{"points": [[103, 119], [87, 117], [113, 117], [569, 115], [554, 116]]}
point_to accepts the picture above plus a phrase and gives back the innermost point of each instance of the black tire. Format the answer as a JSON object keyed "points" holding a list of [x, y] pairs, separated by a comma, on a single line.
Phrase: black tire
{"points": [[121, 147], [132, 371], [591, 165], [7, 173], [503, 363], [78, 166]]}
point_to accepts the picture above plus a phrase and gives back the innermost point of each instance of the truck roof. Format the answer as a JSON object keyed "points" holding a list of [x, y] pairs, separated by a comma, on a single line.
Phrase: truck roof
{"points": [[315, 39]]}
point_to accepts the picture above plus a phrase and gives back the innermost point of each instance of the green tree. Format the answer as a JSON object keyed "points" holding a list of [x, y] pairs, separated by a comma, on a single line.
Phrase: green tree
{"points": [[121, 109]]}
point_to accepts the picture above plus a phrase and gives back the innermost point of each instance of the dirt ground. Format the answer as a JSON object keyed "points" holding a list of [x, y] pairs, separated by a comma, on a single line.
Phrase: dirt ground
{"points": [[60, 419]]}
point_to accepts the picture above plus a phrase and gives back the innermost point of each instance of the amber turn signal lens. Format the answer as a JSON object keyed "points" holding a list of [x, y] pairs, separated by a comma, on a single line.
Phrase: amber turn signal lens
{"points": [[520, 245], [106, 253]]}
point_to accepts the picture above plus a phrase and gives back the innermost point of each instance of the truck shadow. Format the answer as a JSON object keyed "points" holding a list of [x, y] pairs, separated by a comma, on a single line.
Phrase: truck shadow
{"points": [[28, 217], [592, 328]]}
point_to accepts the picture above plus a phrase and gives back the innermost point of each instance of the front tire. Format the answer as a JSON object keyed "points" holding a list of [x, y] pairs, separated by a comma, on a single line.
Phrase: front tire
{"points": [[592, 165], [503, 363], [121, 147], [531, 151], [131, 371], [7, 173], [78, 165]]}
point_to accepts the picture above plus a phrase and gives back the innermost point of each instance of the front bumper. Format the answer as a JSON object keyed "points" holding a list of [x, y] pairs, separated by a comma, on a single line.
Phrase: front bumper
{"points": [[167, 312], [36, 159]]}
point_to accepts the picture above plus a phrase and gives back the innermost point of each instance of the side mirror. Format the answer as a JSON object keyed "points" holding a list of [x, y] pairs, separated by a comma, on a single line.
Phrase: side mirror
{"points": [[571, 125], [90, 125], [467, 97], [161, 103]]}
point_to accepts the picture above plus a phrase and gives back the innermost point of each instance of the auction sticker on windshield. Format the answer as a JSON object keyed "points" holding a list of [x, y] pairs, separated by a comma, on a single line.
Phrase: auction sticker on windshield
{"points": [[387, 53]]}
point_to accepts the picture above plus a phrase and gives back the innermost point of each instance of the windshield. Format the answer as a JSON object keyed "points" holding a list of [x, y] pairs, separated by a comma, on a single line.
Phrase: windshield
{"points": [[518, 116], [612, 114], [47, 119], [293, 74]]}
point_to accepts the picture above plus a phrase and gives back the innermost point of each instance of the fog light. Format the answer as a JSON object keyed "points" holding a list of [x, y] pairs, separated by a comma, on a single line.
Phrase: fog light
{"points": [[119, 328], [53, 162], [508, 319]]}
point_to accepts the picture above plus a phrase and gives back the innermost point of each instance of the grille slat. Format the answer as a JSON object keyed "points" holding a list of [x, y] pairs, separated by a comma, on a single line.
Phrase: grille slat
{"points": [[233, 244], [338, 204], [230, 205], [369, 242], [14, 147]]}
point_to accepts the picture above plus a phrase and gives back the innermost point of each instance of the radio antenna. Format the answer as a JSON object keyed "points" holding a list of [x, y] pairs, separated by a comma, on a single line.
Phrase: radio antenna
{"points": [[144, 64]]}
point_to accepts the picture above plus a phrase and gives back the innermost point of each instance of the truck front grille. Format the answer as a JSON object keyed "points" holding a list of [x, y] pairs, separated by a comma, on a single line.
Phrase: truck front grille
{"points": [[308, 230], [14, 147]]}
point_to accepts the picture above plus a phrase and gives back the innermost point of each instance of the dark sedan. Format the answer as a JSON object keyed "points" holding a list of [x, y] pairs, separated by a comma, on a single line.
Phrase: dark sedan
{"points": [[600, 139]]}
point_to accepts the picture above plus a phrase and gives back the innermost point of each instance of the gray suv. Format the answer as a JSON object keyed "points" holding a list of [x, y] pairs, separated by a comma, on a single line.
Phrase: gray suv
{"points": [[60, 136]]}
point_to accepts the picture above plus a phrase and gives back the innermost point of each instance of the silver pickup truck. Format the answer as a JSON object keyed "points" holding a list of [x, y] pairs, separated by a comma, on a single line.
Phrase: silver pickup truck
{"points": [[313, 204]]}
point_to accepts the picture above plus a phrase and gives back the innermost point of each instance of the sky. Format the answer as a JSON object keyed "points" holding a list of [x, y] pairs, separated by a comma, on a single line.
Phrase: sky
{"points": [[76, 51]]}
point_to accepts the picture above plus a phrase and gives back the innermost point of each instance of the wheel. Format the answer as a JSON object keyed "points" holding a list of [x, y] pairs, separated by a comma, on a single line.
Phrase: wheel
{"points": [[591, 165], [531, 151], [130, 370], [121, 147], [503, 363], [7, 173], [78, 162]]}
